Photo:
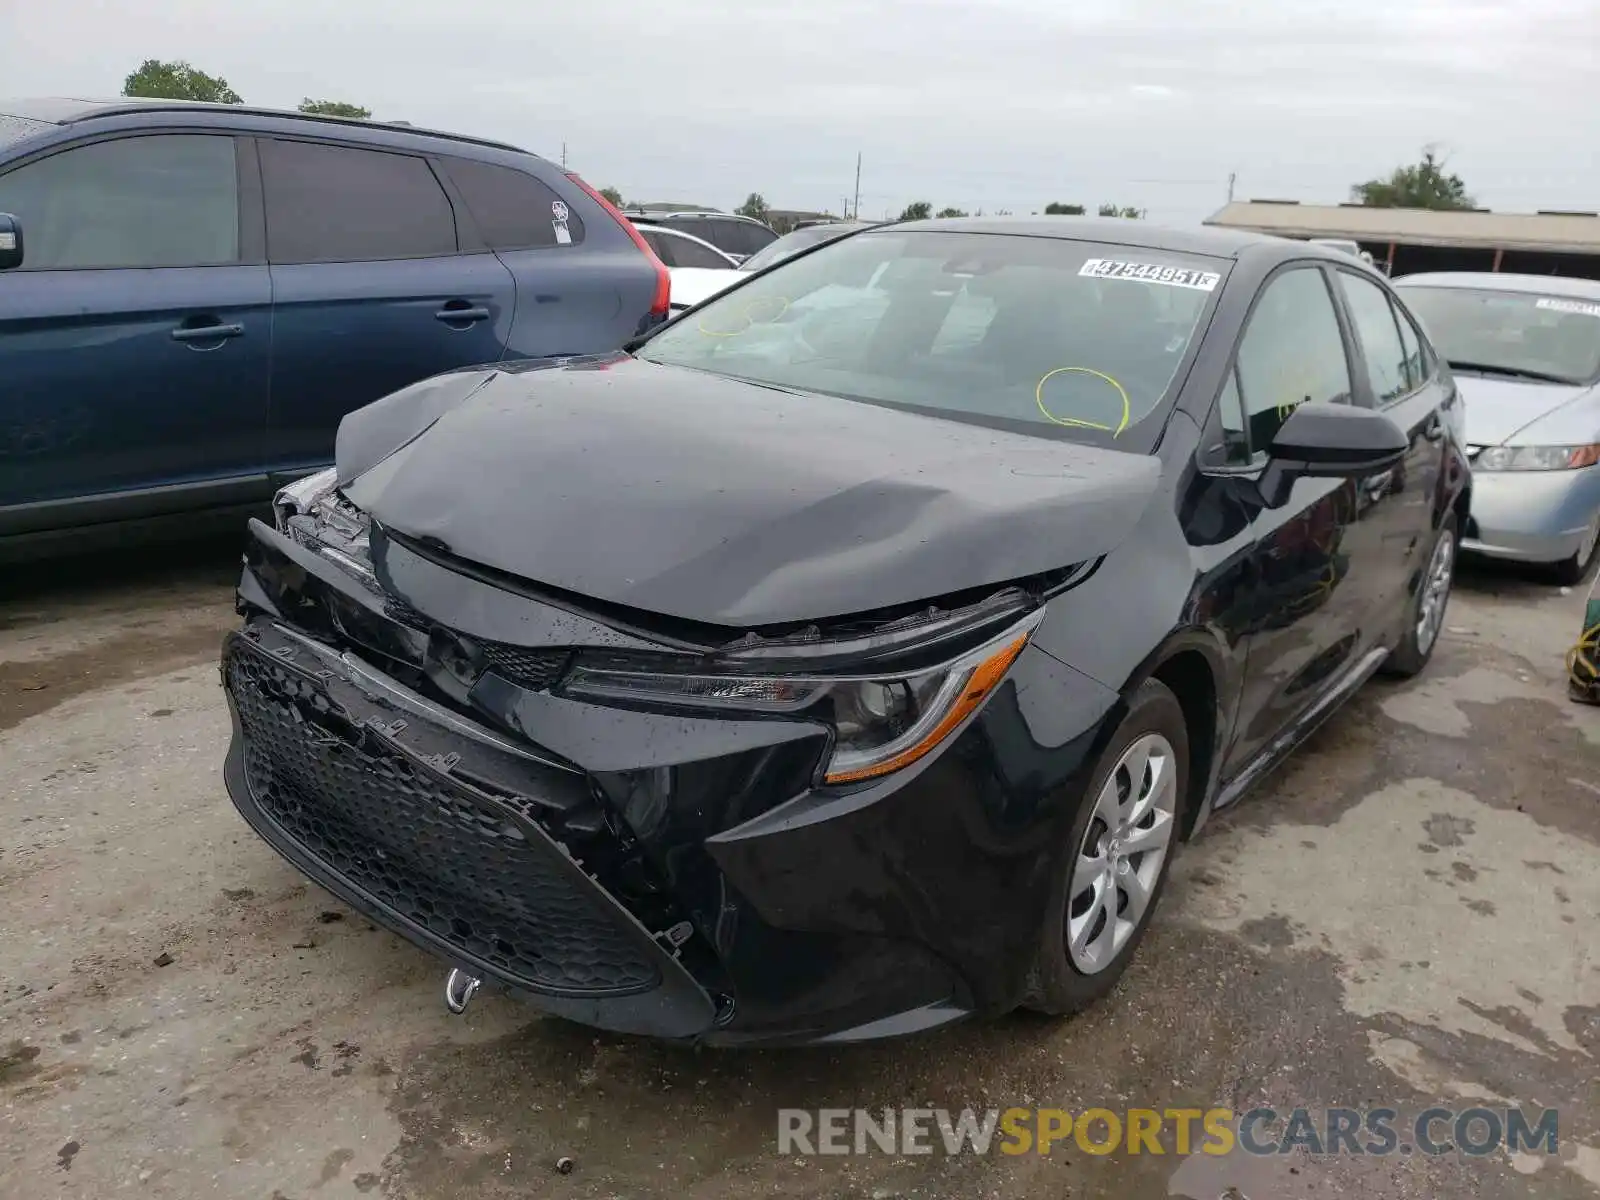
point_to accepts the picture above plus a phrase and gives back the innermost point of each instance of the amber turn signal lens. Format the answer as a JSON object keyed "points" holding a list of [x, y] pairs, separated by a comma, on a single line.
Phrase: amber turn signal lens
{"points": [[985, 677]]}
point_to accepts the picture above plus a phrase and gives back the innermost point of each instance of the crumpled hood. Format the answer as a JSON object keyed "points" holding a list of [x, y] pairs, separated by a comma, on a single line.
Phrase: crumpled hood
{"points": [[1501, 410], [706, 498]]}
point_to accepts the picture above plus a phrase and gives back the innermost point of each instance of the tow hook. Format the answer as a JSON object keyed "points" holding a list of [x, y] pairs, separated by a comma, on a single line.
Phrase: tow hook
{"points": [[459, 988]]}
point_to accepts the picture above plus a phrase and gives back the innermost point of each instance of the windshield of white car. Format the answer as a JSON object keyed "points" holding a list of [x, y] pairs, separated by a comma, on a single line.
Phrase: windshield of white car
{"points": [[791, 244], [1525, 335], [1078, 340]]}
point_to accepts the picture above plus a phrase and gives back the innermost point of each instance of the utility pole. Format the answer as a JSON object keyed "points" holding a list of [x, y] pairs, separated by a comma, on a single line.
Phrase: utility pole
{"points": [[857, 206], [563, 156], [1232, 175]]}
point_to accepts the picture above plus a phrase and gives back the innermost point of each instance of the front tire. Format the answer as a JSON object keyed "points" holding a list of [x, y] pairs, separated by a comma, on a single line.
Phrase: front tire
{"points": [[1570, 571], [1425, 612], [1117, 857]]}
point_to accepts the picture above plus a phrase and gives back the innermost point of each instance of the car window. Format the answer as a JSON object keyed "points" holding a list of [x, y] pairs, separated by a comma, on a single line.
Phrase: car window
{"points": [[1050, 337], [1552, 337], [692, 254], [746, 237], [1292, 353], [700, 227], [339, 204], [512, 209], [1374, 320], [1417, 366], [663, 244], [168, 200]]}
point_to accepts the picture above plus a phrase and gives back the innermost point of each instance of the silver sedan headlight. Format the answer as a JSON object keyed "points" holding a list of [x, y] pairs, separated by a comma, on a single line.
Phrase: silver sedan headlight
{"points": [[1537, 458]]}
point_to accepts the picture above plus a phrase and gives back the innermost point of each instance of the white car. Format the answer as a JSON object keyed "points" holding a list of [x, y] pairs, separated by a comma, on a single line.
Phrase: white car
{"points": [[698, 269]]}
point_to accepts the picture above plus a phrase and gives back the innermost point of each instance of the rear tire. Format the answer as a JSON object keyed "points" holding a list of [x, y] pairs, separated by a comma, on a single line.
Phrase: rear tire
{"points": [[1425, 611], [1153, 739], [1572, 570]]}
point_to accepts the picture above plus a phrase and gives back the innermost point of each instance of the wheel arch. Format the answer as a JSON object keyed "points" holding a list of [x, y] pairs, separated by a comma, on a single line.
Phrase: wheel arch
{"points": [[1195, 666]]}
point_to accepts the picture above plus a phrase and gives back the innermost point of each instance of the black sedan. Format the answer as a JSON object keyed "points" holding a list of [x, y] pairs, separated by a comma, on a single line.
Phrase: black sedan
{"points": [[851, 655]]}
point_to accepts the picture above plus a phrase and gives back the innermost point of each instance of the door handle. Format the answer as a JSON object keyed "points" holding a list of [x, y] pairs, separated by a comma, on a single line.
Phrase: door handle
{"points": [[464, 313], [213, 332], [1434, 429]]}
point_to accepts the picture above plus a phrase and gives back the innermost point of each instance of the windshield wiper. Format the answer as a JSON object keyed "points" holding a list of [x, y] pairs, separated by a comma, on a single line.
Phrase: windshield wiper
{"points": [[1513, 372]]}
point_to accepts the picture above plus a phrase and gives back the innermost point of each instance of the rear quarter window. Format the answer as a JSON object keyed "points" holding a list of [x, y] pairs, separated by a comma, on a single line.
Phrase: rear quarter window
{"points": [[512, 209]]}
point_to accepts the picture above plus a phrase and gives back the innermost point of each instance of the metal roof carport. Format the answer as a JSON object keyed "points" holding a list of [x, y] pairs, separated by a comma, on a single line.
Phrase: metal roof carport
{"points": [[1417, 239]]}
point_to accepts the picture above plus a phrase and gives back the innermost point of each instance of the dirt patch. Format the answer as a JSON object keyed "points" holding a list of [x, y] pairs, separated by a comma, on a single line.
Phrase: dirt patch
{"points": [[30, 688]]}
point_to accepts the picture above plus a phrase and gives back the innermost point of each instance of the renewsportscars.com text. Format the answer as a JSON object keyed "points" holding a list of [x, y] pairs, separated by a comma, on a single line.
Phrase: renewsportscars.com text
{"points": [[1179, 1131]]}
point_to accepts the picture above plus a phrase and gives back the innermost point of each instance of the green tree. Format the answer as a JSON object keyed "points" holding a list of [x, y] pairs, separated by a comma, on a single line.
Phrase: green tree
{"points": [[335, 108], [755, 205], [951, 212], [1057, 209], [1122, 210], [1421, 185], [920, 211], [178, 81], [614, 196]]}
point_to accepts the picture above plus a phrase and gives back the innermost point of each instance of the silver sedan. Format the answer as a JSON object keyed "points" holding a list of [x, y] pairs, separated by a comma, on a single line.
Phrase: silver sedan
{"points": [[1525, 352]]}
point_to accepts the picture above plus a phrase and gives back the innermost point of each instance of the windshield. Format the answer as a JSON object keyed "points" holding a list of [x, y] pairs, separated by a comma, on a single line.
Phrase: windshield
{"points": [[1517, 333], [791, 244], [1043, 335]]}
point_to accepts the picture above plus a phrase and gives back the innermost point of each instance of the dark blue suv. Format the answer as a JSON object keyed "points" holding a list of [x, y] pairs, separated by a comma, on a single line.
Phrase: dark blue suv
{"points": [[194, 295]]}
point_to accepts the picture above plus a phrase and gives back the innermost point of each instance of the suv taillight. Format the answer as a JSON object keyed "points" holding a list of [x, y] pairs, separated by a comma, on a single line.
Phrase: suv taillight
{"points": [[662, 303]]}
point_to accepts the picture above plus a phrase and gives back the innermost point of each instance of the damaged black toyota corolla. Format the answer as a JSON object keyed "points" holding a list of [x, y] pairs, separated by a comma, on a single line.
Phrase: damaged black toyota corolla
{"points": [[849, 656]]}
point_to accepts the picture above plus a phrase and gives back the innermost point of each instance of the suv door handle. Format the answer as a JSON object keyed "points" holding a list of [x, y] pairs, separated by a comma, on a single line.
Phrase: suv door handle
{"points": [[465, 313], [212, 331]]}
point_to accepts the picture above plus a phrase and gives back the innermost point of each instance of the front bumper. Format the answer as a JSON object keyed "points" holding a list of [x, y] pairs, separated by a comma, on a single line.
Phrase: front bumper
{"points": [[637, 871], [1531, 516]]}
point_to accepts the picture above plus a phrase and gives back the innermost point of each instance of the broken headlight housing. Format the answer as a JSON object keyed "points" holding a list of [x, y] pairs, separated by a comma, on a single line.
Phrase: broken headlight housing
{"points": [[314, 514], [880, 723]]}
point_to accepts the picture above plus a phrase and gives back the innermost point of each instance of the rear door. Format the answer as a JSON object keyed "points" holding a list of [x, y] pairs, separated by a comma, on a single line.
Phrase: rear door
{"points": [[1406, 386], [134, 338], [371, 287], [582, 285], [1316, 577]]}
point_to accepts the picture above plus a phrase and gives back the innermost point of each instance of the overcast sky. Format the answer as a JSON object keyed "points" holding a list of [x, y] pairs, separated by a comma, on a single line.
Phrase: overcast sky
{"points": [[976, 103]]}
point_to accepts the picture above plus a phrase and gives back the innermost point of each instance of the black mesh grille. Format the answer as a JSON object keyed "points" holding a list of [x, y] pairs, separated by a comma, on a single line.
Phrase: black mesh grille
{"points": [[421, 846], [529, 668]]}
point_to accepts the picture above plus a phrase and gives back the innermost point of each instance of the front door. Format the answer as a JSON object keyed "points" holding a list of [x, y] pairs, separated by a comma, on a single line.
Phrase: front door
{"points": [[135, 337], [369, 291], [1315, 576]]}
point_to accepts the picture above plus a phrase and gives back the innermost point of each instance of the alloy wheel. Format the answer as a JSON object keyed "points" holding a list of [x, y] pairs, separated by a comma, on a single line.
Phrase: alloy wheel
{"points": [[1435, 591], [1118, 865]]}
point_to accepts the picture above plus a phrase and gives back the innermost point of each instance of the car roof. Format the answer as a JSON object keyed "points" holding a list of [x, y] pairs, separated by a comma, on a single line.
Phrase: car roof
{"points": [[70, 110], [1140, 234], [1494, 281], [652, 216]]}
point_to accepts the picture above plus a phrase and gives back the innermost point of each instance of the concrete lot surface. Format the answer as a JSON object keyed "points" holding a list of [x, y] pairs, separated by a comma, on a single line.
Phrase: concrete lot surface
{"points": [[1405, 916]]}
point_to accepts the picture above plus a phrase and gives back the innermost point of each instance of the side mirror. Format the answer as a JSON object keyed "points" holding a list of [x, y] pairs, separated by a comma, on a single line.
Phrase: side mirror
{"points": [[10, 242], [1330, 441]]}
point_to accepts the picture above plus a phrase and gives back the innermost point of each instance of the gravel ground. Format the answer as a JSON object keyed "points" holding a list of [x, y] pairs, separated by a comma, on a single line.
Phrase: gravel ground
{"points": [[1403, 916]]}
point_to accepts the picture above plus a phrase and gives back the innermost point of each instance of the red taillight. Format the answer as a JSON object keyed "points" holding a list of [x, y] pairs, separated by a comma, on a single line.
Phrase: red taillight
{"points": [[662, 303]]}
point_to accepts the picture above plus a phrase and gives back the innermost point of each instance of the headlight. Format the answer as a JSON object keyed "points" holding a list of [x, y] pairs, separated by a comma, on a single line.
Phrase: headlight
{"points": [[880, 723], [1537, 458], [313, 513]]}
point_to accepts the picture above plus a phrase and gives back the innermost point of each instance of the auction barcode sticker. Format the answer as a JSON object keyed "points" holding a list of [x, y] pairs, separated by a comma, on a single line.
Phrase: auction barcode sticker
{"points": [[1184, 277], [1568, 306]]}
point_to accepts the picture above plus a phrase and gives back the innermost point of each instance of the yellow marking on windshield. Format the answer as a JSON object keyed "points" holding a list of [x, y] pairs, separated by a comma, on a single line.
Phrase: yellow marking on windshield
{"points": [[749, 316], [1074, 422]]}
